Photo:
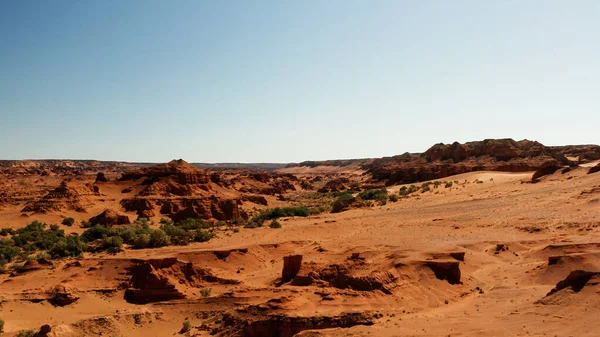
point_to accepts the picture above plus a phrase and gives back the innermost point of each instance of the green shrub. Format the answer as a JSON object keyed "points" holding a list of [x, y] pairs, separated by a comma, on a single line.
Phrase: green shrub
{"points": [[69, 246], [275, 224], [96, 232], [187, 326], [26, 333], [375, 194], [42, 255], [425, 189], [68, 222], [141, 241], [1, 326], [205, 292], [86, 224], [158, 238], [178, 235], [279, 212], [394, 197], [6, 231], [8, 250], [54, 227], [369, 203], [253, 224], [236, 230], [192, 224], [202, 235], [34, 236], [113, 244]]}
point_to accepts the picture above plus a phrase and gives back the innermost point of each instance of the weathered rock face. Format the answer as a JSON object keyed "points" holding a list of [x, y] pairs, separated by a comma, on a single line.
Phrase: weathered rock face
{"points": [[109, 218], [543, 172], [149, 285], [156, 280], [66, 196], [61, 296], [291, 267], [443, 160], [257, 199], [101, 178], [204, 209], [180, 170], [594, 169], [335, 185], [143, 207], [577, 280]]}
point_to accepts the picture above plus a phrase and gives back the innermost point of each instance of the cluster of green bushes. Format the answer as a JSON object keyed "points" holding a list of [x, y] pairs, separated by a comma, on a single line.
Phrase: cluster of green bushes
{"points": [[36, 237], [275, 213], [378, 195], [424, 187], [139, 235], [51, 242]]}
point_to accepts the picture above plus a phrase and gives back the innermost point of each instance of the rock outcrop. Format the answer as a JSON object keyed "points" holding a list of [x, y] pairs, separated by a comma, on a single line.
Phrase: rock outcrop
{"points": [[67, 196], [109, 218], [157, 280], [443, 160]]}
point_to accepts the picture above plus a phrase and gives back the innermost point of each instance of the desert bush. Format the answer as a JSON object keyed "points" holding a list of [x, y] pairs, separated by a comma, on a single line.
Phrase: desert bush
{"points": [[205, 292], [8, 250], [54, 227], [158, 238], [86, 224], [425, 189], [187, 326], [203, 236], [394, 197], [6, 231], [26, 333], [192, 224], [1, 326], [68, 222], [34, 236], [112, 244], [448, 184], [141, 241], [69, 246], [253, 224], [275, 224], [42, 255], [178, 235], [279, 212], [96, 232], [375, 194]]}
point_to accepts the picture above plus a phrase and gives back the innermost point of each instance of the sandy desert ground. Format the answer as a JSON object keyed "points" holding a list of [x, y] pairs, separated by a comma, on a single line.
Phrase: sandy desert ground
{"points": [[494, 254]]}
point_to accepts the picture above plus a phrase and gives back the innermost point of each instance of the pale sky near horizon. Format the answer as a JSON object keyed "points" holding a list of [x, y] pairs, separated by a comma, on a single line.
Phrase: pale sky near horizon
{"points": [[287, 81]]}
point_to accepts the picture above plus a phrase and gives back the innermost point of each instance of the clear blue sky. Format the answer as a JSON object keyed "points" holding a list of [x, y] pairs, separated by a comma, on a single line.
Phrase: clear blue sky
{"points": [[282, 81]]}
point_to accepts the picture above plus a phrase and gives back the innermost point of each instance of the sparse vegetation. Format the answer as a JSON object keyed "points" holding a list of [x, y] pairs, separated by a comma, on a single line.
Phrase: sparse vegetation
{"points": [[187, 326], [275, 224], [1, 326], [379, 195], [6, 231], [205, 292], [26, 333], [394, 197], [68, 222], [280, 212]]}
